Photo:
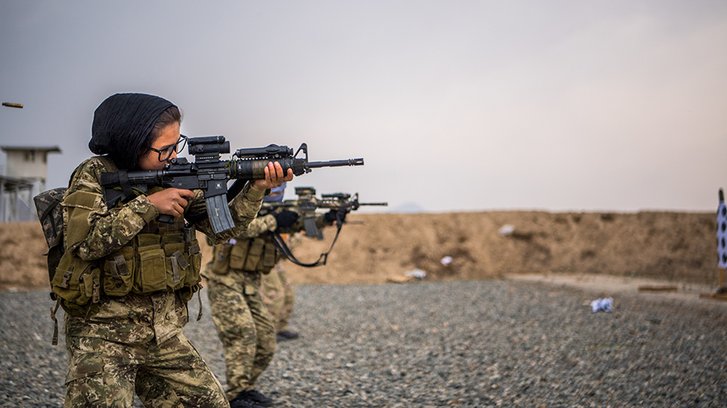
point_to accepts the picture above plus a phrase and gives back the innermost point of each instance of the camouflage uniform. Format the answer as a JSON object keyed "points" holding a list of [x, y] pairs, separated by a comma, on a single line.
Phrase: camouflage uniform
{"points": [[277, 294], [245, 327], [121, 327]]}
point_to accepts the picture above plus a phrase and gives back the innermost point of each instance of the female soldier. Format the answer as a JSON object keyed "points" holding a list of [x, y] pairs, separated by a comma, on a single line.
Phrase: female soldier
{"points": [[125, 278]]}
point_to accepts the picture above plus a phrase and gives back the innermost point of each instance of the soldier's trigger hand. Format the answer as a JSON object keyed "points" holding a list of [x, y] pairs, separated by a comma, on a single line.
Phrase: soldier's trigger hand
{"points": [[331, 215], [286, 219], [171, 201]]}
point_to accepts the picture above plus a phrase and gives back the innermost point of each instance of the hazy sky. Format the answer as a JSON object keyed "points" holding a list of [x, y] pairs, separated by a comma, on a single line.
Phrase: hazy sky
{"points": [[455, 105]]}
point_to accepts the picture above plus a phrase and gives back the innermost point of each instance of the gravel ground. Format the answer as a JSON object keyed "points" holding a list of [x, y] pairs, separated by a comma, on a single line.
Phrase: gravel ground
{"points": [[481, 343]]}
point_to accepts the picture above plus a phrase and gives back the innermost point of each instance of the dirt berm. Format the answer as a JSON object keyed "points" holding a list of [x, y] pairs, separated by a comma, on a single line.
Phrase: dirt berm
{"points": [[375, 247]]}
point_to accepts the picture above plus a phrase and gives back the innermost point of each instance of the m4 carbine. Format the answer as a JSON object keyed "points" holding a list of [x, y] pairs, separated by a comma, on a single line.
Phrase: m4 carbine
{"points": [[306, 205], [211, 174], [345, 201]]}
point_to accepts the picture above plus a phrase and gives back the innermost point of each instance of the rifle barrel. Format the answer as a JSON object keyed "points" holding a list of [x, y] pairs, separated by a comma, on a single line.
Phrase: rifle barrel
{"points": [[336, 163], [379, 204]]}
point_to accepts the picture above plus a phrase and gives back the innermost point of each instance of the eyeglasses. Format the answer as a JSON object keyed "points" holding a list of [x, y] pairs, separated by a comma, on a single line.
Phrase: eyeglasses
{"points": [[166, 152]]}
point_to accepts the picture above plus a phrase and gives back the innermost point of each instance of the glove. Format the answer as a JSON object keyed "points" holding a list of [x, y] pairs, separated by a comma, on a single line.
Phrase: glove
{"points": [[286, 219], [330, 216]]}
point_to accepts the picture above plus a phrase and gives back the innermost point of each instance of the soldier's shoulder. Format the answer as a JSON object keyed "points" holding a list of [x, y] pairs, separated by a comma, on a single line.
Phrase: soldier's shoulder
{"points": [[89, 172], [96, 165]]}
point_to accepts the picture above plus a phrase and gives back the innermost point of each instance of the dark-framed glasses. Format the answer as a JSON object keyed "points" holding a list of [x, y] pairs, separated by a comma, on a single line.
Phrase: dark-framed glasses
{"points": [[165, 152]]}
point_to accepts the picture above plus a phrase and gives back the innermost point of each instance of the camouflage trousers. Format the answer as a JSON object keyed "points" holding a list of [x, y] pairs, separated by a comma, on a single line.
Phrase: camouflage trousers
{"points": [[278, 296], [135, 344], [245, 328]]}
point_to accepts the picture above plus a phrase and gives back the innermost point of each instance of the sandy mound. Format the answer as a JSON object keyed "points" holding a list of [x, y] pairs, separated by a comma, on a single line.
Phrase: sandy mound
{"points": [[373, 248], [22, 260], [672, 246]]}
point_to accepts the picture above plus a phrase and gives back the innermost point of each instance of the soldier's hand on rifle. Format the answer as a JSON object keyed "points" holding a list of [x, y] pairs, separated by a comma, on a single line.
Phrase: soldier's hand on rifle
{"points": [[273, 177], [171, 201], [286, 219], [331, 216]]}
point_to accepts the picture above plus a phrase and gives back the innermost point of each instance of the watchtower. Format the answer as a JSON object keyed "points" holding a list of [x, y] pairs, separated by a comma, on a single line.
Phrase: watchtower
{"points": [[25, 176]]}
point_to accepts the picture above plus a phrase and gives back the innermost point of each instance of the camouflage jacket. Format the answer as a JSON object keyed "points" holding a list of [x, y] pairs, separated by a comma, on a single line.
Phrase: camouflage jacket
{"points": [[242, 259]]}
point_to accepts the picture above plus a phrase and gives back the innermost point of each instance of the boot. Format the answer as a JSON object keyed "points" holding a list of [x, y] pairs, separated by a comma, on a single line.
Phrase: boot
{"points": [[251, 398], [239, 402], [285, 335]]}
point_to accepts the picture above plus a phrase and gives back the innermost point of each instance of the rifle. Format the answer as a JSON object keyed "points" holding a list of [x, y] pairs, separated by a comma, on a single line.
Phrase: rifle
{"points": [[346, 201], [307, 204], [211, 174]]}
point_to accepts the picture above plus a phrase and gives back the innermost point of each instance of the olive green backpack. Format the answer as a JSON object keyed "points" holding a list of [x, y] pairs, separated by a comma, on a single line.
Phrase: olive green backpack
{"points": [[50, 214]]}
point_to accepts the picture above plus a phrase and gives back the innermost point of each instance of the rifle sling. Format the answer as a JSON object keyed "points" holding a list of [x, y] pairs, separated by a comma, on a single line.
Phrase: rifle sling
{"points": [[322, 259]]}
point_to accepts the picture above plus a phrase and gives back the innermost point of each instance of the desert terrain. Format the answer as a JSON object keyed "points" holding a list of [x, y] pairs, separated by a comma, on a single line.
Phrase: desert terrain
{"points": [[466, 337], [376, 248]]}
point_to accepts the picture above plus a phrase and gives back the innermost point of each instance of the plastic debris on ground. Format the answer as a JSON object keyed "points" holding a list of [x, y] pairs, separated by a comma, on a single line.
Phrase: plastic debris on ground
{"points": [[506, 230], [446, 261], [602, 305], [416, 274]]}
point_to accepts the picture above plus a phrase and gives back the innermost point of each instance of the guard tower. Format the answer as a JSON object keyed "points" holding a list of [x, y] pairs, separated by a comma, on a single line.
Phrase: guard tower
{"points": [[25, 176]]}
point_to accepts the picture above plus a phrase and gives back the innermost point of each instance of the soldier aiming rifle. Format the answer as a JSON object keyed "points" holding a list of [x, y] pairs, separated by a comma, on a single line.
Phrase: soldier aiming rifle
{"points": [[210, 174], [307, 203]]}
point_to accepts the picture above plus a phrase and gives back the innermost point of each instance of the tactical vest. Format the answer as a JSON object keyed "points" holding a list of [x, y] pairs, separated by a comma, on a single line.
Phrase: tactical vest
{"points": [[248, 255], [161, 257]]}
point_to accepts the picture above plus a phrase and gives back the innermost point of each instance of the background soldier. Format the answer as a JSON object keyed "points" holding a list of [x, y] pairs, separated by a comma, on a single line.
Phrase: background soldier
{"points": [[245, 326], [278, 296], [275, 289]]}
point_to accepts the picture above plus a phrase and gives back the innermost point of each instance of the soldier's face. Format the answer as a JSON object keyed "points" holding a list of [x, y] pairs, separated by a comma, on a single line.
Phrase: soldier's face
{"points": [[167, 139]]}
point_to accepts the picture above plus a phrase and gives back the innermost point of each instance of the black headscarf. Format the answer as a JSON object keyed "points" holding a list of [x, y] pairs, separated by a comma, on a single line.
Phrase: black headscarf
{"points": [[122, 125]]}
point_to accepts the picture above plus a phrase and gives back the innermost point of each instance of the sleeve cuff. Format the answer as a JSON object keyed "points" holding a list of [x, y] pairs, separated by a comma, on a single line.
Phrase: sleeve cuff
{"points": [[253, 194], [271, 222], [144, 208]]}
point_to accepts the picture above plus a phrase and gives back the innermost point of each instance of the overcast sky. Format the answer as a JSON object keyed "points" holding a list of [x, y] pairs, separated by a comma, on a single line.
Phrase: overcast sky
{"points": [[455, 105]]}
